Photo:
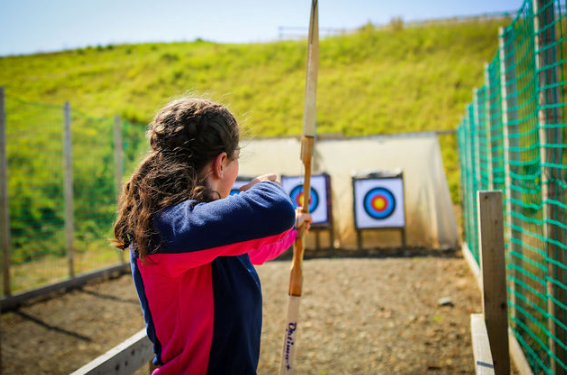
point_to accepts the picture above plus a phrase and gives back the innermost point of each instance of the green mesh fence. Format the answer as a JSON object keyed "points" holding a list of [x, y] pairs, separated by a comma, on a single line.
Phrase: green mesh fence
{"points": [[514, 141], [94, 191], [35, 153], [36, 193]]}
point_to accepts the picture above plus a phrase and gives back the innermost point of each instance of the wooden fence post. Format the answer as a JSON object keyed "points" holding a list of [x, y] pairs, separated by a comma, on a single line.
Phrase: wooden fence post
{"points": [[552, 194], [69, 217], [493, 268], [118, 165], [511, 145], [489, 123], [478, 121], [4, 203], [5, 216]]}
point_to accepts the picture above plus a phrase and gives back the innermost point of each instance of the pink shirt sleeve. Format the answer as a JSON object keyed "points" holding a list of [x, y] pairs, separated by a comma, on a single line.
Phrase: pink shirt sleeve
{"points": [[271, 251]]}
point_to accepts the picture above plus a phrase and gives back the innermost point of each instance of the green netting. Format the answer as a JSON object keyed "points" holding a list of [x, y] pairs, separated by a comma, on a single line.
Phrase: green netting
{"points": [[94, 190], [35, 153], [518, 147], [35, 188], [134, 146]]}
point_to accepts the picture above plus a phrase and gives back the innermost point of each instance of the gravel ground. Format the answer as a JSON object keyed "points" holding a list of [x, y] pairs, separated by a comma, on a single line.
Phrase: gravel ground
{"points": [[358, 316]]}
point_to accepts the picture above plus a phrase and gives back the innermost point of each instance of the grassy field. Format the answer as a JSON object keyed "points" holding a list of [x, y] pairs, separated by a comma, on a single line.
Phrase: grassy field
{"points": [[373, 81]]}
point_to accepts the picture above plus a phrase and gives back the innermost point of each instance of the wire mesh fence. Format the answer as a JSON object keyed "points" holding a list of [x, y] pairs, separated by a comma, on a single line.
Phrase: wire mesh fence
{"points": [[512, 138], [39, 250]]}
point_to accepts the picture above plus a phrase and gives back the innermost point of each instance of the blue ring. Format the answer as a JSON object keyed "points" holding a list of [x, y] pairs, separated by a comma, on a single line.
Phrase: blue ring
{"points": [[390, 203], [294, 195]]}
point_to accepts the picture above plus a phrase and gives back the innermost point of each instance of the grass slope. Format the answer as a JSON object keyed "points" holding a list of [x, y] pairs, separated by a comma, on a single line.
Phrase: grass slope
{"points": [[374, 81]]}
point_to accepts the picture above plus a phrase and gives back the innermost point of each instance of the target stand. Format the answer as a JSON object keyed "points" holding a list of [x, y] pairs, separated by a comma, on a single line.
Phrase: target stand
{"points": [[320, 205], [378, 203]]}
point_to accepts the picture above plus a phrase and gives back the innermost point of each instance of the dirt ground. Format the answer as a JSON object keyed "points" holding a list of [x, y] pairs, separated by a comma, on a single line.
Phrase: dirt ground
{"points": [[374, 315]]}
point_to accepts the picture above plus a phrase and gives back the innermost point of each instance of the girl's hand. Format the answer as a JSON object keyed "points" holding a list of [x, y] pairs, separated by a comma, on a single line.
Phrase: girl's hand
{"points": [[267, 177], [302, 218]]}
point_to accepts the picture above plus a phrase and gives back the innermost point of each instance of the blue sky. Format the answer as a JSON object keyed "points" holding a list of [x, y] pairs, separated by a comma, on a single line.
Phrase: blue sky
{"points": [[28, 26]]}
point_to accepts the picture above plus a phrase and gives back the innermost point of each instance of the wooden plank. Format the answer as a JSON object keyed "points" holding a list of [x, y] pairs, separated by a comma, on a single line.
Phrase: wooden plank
{"points": [[483, 363], [516, 351], [493, 268], [518, 355], [4, 200], [124, 359], [13, 301], [68, 159]]}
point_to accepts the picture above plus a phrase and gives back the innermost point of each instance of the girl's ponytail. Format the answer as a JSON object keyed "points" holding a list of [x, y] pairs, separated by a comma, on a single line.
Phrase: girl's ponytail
{"points": [[184, 137]]}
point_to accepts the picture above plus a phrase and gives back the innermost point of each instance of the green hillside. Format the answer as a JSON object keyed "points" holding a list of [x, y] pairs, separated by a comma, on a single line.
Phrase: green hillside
{"points": [[374, 81]]}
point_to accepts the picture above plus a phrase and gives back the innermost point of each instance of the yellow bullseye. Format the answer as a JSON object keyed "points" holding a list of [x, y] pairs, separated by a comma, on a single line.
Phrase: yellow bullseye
{"points": [[379, 203], [300, 199]]}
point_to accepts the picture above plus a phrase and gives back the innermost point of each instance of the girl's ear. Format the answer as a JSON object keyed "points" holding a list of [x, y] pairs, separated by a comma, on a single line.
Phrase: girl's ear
{"points": [[219, 164]]}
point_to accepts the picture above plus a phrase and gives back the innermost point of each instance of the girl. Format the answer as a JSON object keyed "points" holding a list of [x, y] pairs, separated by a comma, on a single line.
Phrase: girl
{"points": [[192, 245]]}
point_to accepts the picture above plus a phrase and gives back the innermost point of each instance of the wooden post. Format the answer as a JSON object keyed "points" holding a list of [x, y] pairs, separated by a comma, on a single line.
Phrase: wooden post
{"points": [[483, 139], [4, 203], [511, 145], [478, 129], [118, 165], [489, 123], [68, 161], [471, 167], [493, 268], [516, 351], [5, 215], [468, 188], [552, 193]]}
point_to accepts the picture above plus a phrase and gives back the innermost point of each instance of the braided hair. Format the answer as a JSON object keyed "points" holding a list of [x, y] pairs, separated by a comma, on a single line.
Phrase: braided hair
{"points": [[184, 137]]}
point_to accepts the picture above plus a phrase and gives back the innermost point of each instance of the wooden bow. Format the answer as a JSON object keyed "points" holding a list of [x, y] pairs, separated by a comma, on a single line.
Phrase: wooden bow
{"points": [[307, 142]]}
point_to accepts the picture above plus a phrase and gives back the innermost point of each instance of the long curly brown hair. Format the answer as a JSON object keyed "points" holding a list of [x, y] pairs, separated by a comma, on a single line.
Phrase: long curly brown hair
{"points": [[184, 137]]}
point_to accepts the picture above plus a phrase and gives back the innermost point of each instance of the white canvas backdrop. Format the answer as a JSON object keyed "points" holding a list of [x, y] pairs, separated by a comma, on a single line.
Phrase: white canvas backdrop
{"points": [[430, 220]]}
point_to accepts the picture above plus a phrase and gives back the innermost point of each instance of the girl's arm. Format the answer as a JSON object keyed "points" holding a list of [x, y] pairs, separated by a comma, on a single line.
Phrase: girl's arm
{"points": [[191, 236], [272, 251]]}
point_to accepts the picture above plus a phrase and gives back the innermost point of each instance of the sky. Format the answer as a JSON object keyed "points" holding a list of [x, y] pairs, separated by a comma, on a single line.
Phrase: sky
{"points": [[30, 26]]}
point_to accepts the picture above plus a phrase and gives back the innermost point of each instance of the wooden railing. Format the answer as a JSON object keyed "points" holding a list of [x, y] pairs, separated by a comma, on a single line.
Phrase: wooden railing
{"points": [[124, 359]]}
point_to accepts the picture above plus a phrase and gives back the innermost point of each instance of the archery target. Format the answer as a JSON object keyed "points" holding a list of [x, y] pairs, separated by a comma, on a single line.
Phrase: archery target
{"points": [[238, 184], [293, 185], [297, 195], [379, 203]]}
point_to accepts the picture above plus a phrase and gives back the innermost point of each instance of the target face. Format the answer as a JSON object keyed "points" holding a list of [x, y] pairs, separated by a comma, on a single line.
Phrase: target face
{"points": [[296, 196], [318, 199], [379, 203]]}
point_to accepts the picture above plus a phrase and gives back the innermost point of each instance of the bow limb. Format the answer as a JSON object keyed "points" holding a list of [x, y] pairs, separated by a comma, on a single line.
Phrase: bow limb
{"points": [[307, 143]]}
